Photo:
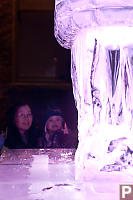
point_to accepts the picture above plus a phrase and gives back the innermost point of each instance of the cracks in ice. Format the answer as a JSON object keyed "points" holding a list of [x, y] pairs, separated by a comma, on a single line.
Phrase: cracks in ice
{"points": [[60, 185]]}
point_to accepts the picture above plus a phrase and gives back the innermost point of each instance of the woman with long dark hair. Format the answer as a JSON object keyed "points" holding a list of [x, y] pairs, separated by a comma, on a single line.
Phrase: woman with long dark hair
{"points": [[21, 132]]}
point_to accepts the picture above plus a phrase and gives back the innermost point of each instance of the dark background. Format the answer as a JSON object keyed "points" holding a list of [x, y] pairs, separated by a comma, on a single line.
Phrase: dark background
{"points": [[33, 66]]}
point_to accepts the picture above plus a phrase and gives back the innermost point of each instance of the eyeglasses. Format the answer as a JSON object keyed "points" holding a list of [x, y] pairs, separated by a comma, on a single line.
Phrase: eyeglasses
{"points": [[23, 115]]}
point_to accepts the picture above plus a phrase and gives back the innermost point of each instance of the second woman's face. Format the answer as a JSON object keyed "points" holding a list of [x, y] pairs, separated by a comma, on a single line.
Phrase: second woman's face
{"points": [[23, 118], [54, 123]]}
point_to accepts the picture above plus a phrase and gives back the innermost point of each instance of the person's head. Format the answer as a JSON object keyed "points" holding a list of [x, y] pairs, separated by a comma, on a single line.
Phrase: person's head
{"points": [[22, 118], [54, 121]]}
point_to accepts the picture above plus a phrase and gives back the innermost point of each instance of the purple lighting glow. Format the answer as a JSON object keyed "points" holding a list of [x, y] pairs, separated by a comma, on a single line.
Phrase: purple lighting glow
{"points": [[100, 36]]}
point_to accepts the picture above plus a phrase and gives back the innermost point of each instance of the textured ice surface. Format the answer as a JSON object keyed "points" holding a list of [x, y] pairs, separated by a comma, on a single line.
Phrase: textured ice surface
{"points": [[99, 34], [49, 174], [73, 15]]}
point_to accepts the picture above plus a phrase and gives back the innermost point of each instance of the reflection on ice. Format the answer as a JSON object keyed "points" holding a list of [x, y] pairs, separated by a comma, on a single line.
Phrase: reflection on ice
{"points": [[48, 174]]}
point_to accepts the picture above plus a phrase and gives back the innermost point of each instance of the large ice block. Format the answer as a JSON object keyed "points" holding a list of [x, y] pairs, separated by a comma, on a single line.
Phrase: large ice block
{"points": [[100, 36]]}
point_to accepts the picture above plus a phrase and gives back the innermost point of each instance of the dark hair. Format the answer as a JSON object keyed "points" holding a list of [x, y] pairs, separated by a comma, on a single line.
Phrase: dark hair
{"points": [[12, 111], [14, 139]]}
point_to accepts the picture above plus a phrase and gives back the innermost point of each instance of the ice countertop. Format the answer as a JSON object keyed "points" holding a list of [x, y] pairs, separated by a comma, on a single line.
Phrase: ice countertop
{"points": [[45, 174]]}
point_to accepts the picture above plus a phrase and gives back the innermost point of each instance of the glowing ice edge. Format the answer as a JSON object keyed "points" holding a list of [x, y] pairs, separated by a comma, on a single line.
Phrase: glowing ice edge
{"points": [[96, 129]]}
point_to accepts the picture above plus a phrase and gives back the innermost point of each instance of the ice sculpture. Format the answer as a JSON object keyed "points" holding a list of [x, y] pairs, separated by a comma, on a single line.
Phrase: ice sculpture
{"points": [[100, 36]]}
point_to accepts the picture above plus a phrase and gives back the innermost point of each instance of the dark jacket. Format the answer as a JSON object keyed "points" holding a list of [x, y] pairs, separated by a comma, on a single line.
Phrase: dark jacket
{"points": [[59, 140], [15, 141]]}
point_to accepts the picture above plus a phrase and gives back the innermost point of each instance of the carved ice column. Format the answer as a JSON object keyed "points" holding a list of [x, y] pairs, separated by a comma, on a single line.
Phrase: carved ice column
{"points": [[100, 36]]}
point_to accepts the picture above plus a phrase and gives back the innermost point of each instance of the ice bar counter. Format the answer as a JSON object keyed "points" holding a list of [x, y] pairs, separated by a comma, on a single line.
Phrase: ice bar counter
{"points": [[45, 174]]}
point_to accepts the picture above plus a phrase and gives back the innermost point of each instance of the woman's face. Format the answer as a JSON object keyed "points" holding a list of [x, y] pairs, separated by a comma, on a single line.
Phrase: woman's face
{"points": [[23, 118], [54, 123]]}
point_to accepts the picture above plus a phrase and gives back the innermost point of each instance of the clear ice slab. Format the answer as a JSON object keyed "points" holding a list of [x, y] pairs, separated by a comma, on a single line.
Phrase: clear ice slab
{"points": [[99, 34], [49, 174]]}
